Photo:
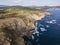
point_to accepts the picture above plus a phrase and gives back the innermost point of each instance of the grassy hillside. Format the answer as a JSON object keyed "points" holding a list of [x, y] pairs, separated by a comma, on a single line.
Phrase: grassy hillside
{"points": [[17, 12]]}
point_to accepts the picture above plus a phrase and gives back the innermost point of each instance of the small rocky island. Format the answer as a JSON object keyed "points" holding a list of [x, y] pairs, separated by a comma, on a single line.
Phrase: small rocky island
{"points": [[17, 24]]}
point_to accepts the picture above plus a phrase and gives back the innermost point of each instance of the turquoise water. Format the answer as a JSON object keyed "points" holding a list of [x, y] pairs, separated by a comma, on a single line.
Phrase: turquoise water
{"points": [[47, 30]]}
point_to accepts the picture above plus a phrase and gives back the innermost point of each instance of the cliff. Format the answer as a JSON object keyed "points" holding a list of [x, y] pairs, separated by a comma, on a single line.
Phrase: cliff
{"points": [[17, 23]]}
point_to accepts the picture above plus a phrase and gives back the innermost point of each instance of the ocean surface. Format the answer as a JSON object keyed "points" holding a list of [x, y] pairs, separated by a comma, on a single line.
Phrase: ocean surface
{"points": [[47, 30]]}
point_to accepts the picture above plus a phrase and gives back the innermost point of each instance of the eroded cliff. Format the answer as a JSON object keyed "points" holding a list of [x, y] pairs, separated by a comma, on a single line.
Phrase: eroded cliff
{"points": [[15, 29]]}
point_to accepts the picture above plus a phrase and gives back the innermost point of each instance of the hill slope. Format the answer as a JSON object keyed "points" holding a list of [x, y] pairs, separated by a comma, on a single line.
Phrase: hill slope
{"points": [[17, 22]]}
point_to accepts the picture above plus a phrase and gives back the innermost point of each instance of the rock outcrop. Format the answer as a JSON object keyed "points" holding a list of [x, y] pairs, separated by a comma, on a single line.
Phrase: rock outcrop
{"points": [[15, 30]]}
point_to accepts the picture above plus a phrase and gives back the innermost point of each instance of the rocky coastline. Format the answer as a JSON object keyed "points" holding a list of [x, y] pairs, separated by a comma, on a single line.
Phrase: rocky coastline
{"points": [[15, 30]]}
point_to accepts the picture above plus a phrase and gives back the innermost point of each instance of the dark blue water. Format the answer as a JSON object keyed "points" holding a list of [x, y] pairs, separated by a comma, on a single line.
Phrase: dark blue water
{"points": [[47, 30]]}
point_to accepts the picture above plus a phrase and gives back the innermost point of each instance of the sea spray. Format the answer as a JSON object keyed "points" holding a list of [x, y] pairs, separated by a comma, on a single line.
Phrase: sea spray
{"points": [[35, 32]]}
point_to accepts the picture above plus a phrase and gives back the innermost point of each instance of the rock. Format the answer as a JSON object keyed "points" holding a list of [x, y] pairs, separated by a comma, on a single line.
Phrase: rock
{"points": [[15, 28], [19, 41], [6, 42]]}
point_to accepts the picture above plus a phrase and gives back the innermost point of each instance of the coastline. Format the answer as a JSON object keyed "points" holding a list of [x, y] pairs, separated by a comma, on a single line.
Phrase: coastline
{"points": [[22, 26]]}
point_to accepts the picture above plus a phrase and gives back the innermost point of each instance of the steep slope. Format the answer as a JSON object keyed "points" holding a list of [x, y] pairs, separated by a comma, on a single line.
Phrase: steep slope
{"points": [[15, 23]]}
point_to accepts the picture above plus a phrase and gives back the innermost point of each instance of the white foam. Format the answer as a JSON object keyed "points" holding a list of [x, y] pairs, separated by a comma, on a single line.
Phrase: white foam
{"points": [[41, 25], [32, 37], [47, 26], [36, 31], [43, 29], [38, 34], [51, 21]]}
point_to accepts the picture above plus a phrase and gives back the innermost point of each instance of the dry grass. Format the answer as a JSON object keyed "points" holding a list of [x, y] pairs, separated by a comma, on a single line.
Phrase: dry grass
{"points": [[17, 12]]}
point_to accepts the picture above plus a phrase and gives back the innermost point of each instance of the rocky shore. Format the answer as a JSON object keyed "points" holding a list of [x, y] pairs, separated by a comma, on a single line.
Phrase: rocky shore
{"points": [[16, 30]]}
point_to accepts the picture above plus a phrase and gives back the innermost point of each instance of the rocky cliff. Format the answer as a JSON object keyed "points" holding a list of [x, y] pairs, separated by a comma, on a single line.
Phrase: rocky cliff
{"points": [[15, 29]]}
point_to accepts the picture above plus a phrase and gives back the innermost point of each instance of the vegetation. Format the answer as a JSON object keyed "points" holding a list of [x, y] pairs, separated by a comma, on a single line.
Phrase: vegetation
{"points": [[16, 24], [17, 12]]}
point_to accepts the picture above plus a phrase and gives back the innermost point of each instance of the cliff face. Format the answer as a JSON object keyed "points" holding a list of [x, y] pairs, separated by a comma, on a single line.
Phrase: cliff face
{"points": [[15, 30]]}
